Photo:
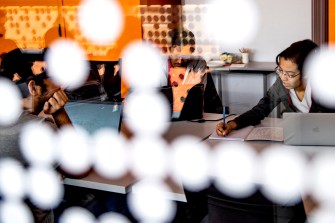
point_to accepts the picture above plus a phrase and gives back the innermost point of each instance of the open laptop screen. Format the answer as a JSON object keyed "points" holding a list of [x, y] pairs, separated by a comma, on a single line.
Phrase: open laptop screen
{"points": [[95, 115], [309, 129]]}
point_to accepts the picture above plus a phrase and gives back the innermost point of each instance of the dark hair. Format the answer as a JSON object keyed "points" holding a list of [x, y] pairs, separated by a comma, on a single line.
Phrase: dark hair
{"points": [[39, 79], [23, 83], [297, 52], [16, 61], [181, 37]]}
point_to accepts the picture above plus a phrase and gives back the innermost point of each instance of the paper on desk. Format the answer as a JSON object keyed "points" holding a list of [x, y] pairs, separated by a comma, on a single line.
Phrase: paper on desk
{"points": [[235, 135], [266, 133], [253, 133]]}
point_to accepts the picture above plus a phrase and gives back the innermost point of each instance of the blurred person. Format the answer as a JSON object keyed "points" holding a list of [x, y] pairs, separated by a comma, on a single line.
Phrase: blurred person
{"points": [[110, 79], [292, 88], [16, 63], [102, 73], [102, 84], [186, 70], [12, 64], [41, 96]]}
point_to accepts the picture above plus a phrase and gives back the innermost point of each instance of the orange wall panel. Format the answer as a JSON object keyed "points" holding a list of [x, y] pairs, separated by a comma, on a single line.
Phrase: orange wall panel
{"points": [[331, 21], [132, 30], [35, 24]]}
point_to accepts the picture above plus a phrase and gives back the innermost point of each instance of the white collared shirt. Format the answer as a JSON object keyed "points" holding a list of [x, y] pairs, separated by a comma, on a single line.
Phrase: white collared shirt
{"points": [[304, 105]]}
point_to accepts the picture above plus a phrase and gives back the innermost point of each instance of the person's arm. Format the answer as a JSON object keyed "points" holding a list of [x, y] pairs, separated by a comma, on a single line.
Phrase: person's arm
{"points": [[223, 131], [61, 118], [55, 107], [254, 116]]}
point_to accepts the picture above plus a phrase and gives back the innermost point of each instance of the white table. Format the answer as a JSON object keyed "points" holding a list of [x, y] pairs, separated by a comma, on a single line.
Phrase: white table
{"points": [[261, 145], [127, 183]]}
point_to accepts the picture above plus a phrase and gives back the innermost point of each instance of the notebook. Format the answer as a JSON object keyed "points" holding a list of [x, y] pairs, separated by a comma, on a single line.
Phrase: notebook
{"points": [[94, 115], [309, 129], [251, 133]]}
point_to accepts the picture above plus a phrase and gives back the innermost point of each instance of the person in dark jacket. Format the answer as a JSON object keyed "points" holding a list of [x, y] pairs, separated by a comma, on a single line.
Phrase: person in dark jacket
{"points": [[291, 88]]}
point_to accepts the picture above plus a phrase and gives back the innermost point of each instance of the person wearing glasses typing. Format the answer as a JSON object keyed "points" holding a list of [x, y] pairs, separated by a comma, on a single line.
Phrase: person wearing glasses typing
{"points": [[291, 88]]}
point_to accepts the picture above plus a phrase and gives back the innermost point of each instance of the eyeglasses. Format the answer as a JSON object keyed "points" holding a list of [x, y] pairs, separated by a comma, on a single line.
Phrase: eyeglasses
{"points": [[288, 74]]}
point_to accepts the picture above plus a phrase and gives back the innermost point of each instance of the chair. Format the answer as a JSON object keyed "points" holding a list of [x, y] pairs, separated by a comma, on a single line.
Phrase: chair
{"points": [[212, 100], [253, 209]]}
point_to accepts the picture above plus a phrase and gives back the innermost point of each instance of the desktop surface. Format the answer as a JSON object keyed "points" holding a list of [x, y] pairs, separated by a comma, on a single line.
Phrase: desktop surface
{"points": [[127, 183]]}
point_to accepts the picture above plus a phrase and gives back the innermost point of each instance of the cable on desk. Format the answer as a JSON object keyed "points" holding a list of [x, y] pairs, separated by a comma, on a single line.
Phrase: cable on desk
{"points": [[208, 120]]}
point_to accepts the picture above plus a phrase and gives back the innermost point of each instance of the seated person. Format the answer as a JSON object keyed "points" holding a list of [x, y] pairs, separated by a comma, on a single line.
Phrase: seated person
{"points": [[16, 63], [13, 64], [291, 88], [185, 71], [43, 97]]}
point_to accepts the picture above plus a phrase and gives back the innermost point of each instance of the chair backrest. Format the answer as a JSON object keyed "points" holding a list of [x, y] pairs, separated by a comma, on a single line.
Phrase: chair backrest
{"points": [[192, 105], [253, 209], [168, 94]]}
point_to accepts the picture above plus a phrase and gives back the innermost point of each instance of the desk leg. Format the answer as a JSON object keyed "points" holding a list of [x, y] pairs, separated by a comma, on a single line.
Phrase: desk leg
{"points": [[220, 85], [265, 84]]}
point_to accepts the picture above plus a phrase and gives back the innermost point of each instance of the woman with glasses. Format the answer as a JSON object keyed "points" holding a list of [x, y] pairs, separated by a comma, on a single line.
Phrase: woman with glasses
{"points": [[291, 89]]}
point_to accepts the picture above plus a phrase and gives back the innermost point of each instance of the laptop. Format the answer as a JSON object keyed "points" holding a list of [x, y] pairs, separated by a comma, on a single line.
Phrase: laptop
{"points": [[313, 129], [93, 115]]}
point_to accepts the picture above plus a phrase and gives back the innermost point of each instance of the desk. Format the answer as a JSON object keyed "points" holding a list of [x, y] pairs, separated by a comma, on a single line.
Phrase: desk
{"points": [[260, 146], [95, 181], [242, 87], [126, 183], [200, 130]]}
